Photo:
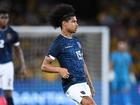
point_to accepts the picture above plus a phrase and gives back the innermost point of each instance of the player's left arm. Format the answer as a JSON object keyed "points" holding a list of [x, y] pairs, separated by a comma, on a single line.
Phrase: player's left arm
{"points": [[88, 78], [131, 71], [20, 56]]}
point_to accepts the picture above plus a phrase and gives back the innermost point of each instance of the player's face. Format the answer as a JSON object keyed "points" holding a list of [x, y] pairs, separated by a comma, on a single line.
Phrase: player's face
{"points": [[71, 25], [4, 19], [122, 46]]}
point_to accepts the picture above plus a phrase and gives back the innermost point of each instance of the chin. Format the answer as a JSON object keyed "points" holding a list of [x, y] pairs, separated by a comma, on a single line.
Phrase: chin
{"points": [[74, 31]]}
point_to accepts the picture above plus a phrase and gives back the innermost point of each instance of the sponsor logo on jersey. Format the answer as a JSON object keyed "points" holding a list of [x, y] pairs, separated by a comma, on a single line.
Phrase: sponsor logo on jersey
{"points": [[82, 92], [79, 45], [9, 36], [68, 46]]}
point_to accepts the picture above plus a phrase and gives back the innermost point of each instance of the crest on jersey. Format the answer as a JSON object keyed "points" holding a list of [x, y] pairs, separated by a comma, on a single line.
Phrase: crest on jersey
{"points": [[79, 45], [82, 92], [9, 36]]}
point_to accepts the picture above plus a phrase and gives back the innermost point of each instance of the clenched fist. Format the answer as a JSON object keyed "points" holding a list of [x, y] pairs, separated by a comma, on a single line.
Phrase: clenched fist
{"points": [[63, 72]]}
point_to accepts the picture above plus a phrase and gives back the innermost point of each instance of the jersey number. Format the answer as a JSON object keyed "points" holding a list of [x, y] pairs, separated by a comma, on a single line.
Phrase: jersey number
{"points": [[79, 55], [1, 43]]}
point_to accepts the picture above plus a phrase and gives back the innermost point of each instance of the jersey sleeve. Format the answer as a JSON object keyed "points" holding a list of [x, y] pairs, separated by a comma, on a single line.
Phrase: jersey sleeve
{"points": [[15, 39], [53, 50]]}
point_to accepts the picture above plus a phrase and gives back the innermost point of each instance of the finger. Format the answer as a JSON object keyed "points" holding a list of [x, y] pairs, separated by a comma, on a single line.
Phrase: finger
{"points": [[66, 76], [66, 70]]}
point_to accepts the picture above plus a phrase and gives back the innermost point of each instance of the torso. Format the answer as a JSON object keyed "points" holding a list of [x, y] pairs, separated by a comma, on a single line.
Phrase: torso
{"points": [[8, 37], [70, 56]]}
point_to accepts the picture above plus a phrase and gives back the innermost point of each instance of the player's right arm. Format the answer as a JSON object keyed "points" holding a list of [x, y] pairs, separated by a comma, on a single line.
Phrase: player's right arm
{"points": [[47, 67], [111, 67]]}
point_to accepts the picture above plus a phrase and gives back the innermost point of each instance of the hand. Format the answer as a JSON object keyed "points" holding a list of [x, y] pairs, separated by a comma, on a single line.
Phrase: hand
{"points": [[92, 89], [64, 72], [23, 73]]}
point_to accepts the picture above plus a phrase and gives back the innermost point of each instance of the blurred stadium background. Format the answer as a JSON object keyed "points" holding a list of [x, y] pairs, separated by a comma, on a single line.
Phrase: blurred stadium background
{"points": [[120, 16]]}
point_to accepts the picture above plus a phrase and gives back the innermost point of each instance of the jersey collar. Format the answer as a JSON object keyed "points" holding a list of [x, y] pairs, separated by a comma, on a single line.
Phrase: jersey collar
{"points": [[4, 28], [68, 37]]}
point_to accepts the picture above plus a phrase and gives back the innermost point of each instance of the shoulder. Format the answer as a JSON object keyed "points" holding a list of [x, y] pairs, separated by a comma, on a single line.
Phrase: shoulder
{"points": [[10, 29], [114, 53], [128, 54], [56, 41], [76, 38]]}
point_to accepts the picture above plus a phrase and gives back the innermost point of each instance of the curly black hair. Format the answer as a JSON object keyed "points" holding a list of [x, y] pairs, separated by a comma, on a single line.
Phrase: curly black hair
{"points": [[61, 12], [4, 11]]}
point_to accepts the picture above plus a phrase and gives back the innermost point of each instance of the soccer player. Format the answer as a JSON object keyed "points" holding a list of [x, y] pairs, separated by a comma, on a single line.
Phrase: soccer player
{"points": [[8, 39], [76, 81], [121, 62]]}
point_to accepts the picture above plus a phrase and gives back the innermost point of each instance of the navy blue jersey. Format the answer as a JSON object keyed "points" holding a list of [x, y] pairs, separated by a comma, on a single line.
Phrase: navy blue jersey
{"points": [[69, 54], [8, 37]]}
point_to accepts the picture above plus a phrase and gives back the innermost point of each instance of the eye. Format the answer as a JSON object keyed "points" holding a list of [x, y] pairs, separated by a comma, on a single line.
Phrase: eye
{"points": [[4, 17]]}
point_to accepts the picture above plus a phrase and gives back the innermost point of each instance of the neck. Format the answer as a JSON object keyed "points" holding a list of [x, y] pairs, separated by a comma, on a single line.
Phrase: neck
{"points": [[2, 27], [122, 51], [66, 34]]}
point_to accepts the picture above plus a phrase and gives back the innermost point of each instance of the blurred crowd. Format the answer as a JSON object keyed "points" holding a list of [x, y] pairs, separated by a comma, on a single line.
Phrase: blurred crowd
{"points": [[121, 16]]}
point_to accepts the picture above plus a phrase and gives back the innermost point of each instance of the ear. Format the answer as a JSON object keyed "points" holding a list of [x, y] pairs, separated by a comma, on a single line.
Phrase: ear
{"points": [[63, 23]]}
